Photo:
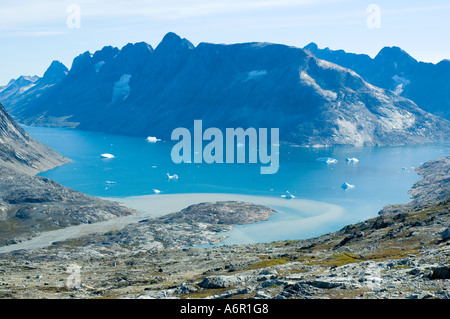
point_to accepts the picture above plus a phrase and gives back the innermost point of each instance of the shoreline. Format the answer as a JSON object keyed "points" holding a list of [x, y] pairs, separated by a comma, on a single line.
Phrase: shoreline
{"points": [[149, 206], [293, 217]]}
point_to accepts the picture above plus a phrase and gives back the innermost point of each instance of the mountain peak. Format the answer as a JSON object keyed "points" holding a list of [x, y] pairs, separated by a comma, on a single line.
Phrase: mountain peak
{"points": [[137, 48], [105, 54], [311, 47], [172, 41], [55, 71], [394, 54], [24, 79]]}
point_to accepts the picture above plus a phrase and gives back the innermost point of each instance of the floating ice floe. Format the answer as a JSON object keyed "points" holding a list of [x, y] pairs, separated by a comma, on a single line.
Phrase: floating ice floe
{"points": [[110, 182], [156, 191], [288, 195], [174, 176], [106, 155], [328, 160], [347, 185], [152, 139], [352, 160]]}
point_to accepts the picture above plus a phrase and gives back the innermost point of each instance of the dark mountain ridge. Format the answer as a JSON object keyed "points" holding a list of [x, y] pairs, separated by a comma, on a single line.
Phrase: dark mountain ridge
{"points": [[143, 91], [427, 84]]}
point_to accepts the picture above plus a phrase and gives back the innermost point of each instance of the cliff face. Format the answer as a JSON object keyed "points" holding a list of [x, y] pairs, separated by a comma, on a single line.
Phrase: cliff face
{"points": [[20, 151], [142, 91], [31, 204], [427, 84]]}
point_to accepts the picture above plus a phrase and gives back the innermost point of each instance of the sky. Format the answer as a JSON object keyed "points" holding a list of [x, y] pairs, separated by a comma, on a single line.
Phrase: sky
{"points": [[34, 33]]}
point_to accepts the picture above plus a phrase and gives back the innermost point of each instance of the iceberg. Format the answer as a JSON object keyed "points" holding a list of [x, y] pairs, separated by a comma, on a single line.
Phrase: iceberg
{"points": [[156, 191], [328, 160], [352, 160], [106, 155], [152, 139], [174, 176], [288, 195], [347, 185]]}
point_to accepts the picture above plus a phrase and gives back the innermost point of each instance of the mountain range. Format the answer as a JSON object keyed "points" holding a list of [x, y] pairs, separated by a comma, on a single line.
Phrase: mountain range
{"points": [[141, 91], [427, 84], [17, 86]]}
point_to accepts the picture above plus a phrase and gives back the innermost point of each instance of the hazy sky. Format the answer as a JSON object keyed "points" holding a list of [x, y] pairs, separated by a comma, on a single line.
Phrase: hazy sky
{"points": [[33, 33]]}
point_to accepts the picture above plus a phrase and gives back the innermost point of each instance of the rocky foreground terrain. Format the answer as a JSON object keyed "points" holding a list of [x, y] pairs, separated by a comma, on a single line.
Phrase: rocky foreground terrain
{"points": [[30, 205], [402, 253]]}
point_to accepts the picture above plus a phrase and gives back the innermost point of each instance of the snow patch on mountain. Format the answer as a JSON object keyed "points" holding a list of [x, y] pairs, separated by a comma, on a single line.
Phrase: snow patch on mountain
{"points": [[121, 88], [400, 83], [98, 66], [256, 74]]}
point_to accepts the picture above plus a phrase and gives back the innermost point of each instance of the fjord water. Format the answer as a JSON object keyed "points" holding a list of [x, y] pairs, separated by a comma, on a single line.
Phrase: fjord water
{"points": [[382, 176]]}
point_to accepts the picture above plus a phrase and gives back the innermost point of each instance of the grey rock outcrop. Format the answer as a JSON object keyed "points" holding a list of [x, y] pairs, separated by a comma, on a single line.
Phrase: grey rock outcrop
{"points": [[20, 151], [31, 204], [427, 84]]}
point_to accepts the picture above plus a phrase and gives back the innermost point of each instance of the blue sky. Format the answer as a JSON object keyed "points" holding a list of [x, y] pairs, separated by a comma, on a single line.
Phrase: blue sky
{"points": [[33, 33]]}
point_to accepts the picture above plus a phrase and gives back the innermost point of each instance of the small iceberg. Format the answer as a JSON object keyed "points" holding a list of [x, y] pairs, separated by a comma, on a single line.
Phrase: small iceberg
{"points": [[110, 182], [174, 176], [288, 195], [328, 160], [156, 191], [352, 160], [106, 155], [347, 186], [152, 139]]}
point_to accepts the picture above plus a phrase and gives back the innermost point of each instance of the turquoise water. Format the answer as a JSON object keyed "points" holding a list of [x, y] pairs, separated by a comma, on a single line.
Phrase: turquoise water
{"points": [[382, 176]]}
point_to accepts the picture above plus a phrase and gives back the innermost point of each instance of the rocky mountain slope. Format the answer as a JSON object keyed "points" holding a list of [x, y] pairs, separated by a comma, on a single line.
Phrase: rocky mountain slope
{"points": [[20, 151], [426, 84], [30, 204], [15, 87], [401, 254], [142, 91], [24, 92]]}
